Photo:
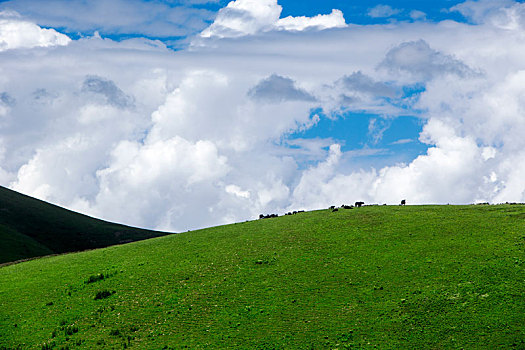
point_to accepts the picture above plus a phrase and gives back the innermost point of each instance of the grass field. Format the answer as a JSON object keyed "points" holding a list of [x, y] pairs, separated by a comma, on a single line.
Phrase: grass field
{"points": [[30, 227], [384, 277]]}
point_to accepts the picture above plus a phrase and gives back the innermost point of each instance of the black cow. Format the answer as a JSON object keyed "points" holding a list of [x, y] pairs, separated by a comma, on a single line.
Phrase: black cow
{"points": [[359, 204], [332, 207], [347, 206], [403, 202], [269, 216], [334, 210]]}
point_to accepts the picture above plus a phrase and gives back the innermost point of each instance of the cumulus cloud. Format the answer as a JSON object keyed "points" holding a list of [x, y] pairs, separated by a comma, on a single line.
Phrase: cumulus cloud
{"points": [[248, 17], [382, 11], [453, 163], [278, 89], [132, 132], [333, 20], [161, 173], [6, 99], [151, 19], [108, 90], [482, 10], [17, 33], [361, 83], [242, 17], [360, 92], [420, 60], [417, 15], [505, 14]]}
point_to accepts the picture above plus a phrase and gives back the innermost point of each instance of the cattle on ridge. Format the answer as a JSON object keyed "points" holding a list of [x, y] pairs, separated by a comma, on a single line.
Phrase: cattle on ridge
{"points": [[261, 216]]}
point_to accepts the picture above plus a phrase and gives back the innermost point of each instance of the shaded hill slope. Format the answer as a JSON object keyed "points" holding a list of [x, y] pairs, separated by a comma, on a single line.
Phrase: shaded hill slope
{"points": [[415, 277], [30, 227]]}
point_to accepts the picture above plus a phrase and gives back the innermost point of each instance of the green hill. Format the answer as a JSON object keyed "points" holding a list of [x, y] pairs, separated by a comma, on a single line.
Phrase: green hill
{"points": [[385, 277], [30, 227]]}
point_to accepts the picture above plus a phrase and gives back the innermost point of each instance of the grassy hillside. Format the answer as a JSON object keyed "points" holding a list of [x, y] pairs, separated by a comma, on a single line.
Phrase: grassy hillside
{"points": [[415, 277], [30, 227]]}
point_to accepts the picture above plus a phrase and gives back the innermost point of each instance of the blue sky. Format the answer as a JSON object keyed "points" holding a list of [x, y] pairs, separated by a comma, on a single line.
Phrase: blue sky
{"points": [[203, 12], [351, 130], [357, 11], [184, 114]]}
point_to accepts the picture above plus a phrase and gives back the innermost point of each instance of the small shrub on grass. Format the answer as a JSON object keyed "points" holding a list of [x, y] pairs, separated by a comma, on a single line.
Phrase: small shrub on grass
{"points": [[95, 278], [268, 346], [48, 346], [114, 332], [103, 294], [345, 338], [70, 330], [100, 277], [266, 261]]}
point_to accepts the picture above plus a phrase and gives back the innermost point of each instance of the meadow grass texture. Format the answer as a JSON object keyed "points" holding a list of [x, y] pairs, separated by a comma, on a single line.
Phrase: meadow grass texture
{"points": [[377, 277]]}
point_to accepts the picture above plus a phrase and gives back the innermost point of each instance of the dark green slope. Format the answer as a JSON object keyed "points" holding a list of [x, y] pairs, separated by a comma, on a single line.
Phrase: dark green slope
{"points": [[415, 277], [30, 227]]}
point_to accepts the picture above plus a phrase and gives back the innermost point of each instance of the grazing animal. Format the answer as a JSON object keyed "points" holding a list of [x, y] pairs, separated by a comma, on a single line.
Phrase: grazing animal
{"points": [[334, 210], [403, 202], [268, 216], [359, 204], [347, 207], [332, 207]]}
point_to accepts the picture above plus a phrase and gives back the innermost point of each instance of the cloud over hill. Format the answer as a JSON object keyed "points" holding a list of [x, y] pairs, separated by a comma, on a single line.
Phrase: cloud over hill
{"points": [[131, 131]]}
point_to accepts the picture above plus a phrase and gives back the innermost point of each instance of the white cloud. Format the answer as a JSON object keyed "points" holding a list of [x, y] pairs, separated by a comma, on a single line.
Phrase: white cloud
{"points": [[402, 141], [423, 62], [382, 11], [360, 92], [133, 132], [243, 17], [505, 14], [453, 164], [480, 11], [107, 90], [149, 184], [151, 18], [333, 20], [16, 33], [248, 17], [278, 89], [237, 191], [417, 15]]}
